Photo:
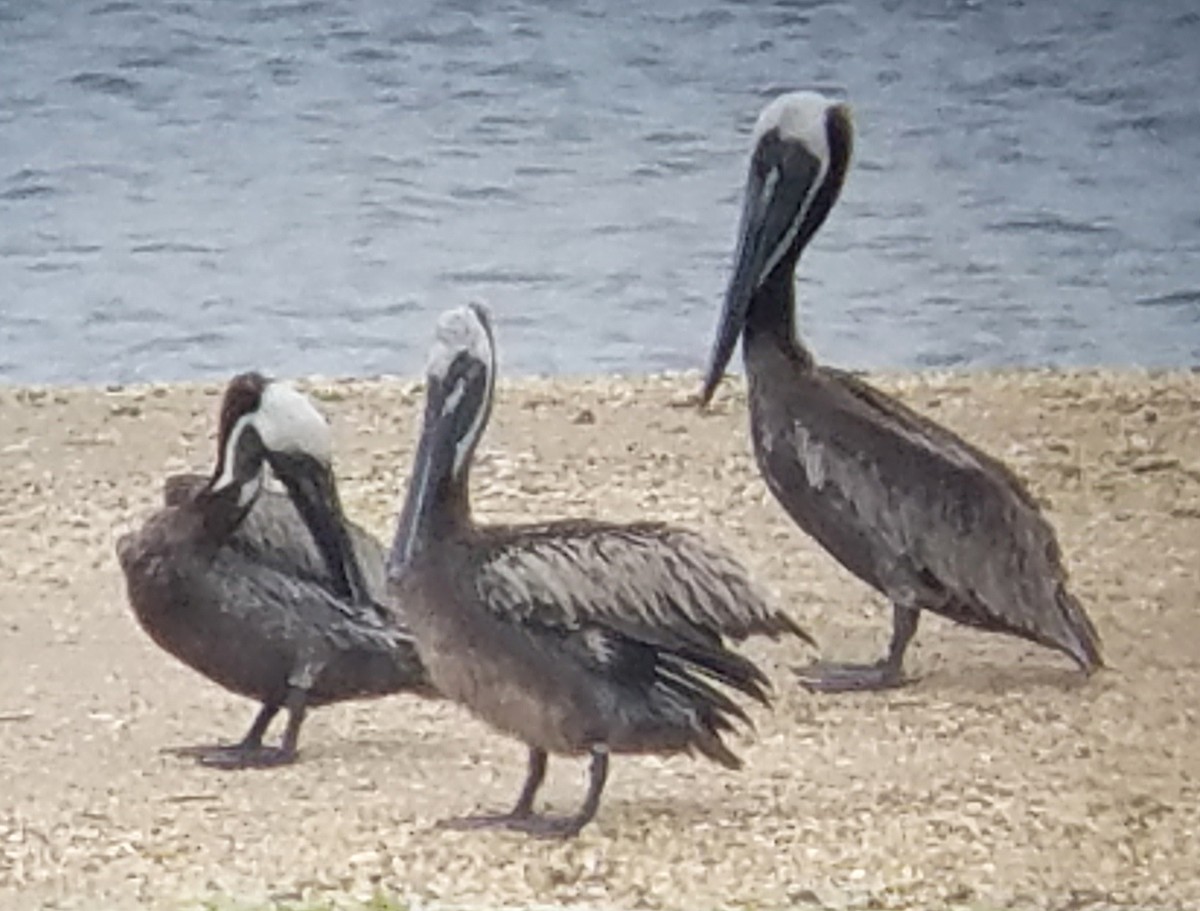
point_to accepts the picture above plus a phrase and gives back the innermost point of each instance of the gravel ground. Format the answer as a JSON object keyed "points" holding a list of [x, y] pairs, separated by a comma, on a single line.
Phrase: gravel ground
{"points": [[999, 779]]}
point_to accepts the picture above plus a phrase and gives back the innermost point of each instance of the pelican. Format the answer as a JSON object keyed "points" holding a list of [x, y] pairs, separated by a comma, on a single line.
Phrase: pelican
{"points": [[903, 503], [577, 637], [263, 593]]}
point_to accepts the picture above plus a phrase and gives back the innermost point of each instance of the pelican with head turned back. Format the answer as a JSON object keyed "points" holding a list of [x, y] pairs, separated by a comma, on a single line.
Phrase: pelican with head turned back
{"points": [[903, 503], [274, 597], [578, 637]]}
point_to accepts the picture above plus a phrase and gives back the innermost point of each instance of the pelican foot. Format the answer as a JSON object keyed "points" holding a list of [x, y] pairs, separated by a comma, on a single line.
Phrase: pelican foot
{"points": [[529, 823], [199, 751], [481, 821], [549, 826], [252, 758], [237, 756], [851, 678]]}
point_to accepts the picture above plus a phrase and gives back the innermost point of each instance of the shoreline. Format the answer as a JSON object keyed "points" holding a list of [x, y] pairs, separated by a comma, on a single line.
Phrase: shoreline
{"points": [[734, 374], [998, 779]]}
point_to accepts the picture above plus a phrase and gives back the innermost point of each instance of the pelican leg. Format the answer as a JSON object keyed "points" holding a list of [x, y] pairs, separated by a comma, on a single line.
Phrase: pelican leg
{"points": [[524, 805], [887, 673], [533, 781], [570, 826], [251, 742], [247, 755]]}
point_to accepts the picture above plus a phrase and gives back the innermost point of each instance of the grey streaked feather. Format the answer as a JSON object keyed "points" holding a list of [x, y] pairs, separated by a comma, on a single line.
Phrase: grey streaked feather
{"points": [[648, 579], [920, 513], [259, 609], [273, 534], [291, 606], [648, 605], [571, 633]]}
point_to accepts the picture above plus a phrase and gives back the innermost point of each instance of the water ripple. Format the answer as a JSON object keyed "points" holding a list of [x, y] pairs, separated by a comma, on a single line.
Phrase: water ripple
{"points": [[105, 83], [500, 276], [28, 191], [1180, 299], [1050, 223], [172, 247]]}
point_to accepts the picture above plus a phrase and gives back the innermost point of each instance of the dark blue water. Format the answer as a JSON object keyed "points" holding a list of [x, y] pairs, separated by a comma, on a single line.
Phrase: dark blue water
{"points": [[191, 188]]}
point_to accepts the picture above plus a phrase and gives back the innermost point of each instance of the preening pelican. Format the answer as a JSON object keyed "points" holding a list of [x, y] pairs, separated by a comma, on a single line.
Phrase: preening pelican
{"points": [[273, 597]]}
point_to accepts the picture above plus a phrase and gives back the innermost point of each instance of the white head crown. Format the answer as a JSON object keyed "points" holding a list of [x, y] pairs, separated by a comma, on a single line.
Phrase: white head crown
{"points": [[798, 116]]}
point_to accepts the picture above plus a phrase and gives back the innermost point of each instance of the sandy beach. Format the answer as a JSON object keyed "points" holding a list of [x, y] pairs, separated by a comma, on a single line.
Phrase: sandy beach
{"points": [[999, 779]]}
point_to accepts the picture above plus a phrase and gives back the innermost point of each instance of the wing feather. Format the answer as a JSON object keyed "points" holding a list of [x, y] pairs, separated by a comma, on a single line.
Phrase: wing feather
{"points": [[274, 535], [657, 583], [939, 520]]}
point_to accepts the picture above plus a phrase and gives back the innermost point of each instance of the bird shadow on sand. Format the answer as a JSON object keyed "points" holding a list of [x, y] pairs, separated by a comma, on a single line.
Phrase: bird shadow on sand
{"points": [[970, 679], [373, 747], [693, 808]]}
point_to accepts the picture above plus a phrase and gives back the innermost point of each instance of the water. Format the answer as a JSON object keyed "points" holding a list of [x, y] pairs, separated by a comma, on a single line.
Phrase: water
{"points": [[193, 188]]}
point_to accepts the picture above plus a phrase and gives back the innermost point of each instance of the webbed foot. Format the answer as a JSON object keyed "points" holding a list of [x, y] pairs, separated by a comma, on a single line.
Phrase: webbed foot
{"points": [[479, 821], [530, 824], [259, 757], [236, 756], [550, 826], [851, 678]]}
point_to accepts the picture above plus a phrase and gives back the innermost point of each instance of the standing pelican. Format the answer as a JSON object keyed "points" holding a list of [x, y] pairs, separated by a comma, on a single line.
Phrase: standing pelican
{"points": [[577, 637], [267, 598], [907, 506]]}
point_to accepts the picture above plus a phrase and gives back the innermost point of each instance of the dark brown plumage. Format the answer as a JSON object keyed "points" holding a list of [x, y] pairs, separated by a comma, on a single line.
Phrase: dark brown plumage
{"points": [[903, 503], [268, 601]]}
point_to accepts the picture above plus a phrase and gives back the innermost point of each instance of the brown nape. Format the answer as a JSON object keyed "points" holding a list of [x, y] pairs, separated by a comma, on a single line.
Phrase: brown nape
{"points": [[839, 129], [839, 133], [242, 396]]}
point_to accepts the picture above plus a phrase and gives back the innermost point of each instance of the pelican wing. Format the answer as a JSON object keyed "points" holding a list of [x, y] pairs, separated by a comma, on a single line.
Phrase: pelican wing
{"points": [[651, 581], [677, 689], [646, 604], [918, 511], [297, 600], [274, 535]]}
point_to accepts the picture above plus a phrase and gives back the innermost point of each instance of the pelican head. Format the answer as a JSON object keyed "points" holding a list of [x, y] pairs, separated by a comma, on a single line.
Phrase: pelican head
{"points": [[268, 422], [802, 145], [460, 377]]}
